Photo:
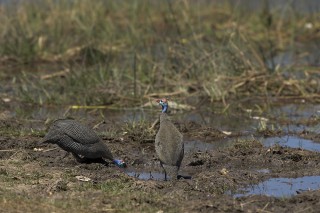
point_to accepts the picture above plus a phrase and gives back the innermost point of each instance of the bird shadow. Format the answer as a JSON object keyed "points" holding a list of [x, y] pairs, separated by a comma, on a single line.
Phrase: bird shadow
{"points": [[186, 177], [84, 160]]}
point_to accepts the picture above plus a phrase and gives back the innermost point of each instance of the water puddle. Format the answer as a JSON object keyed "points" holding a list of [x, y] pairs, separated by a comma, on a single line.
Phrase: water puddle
{"points": [[147, 175], [234, 122], [314, 129], [231, 121], [294, 111], [142, 175], [292, 142], [293, 128], [282, 187]]}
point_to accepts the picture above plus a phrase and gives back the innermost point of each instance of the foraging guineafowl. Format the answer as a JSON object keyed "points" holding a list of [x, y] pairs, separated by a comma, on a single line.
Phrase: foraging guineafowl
{"points": [[82, 142], [169, 143]]}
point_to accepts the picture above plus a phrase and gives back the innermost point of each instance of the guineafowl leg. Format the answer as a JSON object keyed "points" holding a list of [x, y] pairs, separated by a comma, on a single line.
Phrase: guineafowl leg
{"points": [[171, 171], [78, 158], [165, 172]]}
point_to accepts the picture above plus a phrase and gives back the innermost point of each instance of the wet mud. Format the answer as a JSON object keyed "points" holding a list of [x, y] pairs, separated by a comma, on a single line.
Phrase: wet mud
{"points": [[224, 173]]}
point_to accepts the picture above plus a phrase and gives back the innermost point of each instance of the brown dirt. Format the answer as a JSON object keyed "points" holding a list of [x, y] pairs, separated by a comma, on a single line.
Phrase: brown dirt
{"points": [[36, 178]]}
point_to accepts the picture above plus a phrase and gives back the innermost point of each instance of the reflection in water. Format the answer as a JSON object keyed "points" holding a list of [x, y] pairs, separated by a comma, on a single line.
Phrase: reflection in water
{"points": [[232, 121], [282, 187], [313, 129], [147, 175], [294, 111], [153, 175], [208, 118], [235, 122], [291, 141]]}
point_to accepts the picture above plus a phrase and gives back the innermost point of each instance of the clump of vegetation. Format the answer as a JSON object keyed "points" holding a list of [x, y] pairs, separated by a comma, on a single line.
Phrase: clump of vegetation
{"points": [[246, 145], [14, 129], [140, 131], [268, 129], [105, 53]]}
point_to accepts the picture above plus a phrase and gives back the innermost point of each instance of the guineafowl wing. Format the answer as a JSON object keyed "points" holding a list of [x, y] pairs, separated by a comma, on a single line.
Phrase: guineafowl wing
{"points": [[75, 130], [69, 145], [169, 145]]}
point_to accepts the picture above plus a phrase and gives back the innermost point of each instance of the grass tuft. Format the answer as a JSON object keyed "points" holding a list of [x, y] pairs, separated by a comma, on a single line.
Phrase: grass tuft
{"points": [[114, 52]]}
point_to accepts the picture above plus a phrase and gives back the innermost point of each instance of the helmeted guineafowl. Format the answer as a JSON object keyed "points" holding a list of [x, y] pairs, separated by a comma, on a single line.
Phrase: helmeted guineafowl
{"points": [[169, 143], [81, 141]]}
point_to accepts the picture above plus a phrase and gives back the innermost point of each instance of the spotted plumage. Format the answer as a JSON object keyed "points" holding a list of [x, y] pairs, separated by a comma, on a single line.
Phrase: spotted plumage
{"points": [[169, 143], [81, 141]]}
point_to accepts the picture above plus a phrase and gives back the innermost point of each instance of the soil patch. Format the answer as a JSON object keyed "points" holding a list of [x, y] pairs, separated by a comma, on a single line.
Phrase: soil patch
{"points": [[34, 174]]}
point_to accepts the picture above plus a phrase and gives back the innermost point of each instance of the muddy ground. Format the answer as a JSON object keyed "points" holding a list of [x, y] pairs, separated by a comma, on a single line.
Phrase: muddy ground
{"points": [[36, 177]]}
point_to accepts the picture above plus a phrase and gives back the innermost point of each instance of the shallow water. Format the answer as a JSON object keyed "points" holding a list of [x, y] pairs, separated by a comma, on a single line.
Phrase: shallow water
{"points": [[233, 120], [294, 111], [143, 175], [282, 187], [147, 175], [292, 142]]}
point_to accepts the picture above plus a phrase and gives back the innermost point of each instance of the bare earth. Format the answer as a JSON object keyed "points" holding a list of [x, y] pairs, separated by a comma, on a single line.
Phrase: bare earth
{"points": [[36, 178]]}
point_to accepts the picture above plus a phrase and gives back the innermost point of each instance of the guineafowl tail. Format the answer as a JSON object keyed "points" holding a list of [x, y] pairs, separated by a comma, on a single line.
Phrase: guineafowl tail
{"points": [[53, 135]]}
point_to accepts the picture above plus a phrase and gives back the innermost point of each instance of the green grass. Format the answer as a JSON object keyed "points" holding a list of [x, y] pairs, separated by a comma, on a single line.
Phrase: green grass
{"points": [[113, 194], [139, 131], [18, 131], [122, 53], [245, 145]]}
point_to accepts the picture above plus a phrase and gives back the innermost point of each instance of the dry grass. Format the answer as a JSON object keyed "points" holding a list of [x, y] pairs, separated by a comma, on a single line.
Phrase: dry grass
{"points": [[106, 53]]}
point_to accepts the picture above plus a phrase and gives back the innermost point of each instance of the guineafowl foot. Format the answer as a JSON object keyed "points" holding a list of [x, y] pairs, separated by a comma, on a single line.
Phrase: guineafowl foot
{"points": [[78, 158]]}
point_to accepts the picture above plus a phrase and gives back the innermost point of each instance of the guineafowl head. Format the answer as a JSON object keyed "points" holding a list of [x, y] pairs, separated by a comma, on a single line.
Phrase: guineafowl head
{"points": [[120, 163], [164, 103]]}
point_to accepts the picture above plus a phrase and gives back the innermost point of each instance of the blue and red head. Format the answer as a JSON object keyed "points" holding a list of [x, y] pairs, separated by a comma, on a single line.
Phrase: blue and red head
{"points": [[119, 163], [164, 104]]}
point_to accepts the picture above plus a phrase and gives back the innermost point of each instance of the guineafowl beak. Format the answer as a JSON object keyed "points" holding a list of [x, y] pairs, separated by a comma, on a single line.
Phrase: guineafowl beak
{"points": [[120, 163]]}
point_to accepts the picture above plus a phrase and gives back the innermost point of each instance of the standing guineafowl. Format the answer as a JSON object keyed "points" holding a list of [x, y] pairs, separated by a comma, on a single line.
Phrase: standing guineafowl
{"points": [[82, 142], [169, 143]]}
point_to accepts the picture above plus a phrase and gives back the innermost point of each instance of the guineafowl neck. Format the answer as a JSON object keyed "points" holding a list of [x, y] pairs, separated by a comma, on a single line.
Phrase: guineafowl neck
{"points": [[107, 154], [164, 117]]}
